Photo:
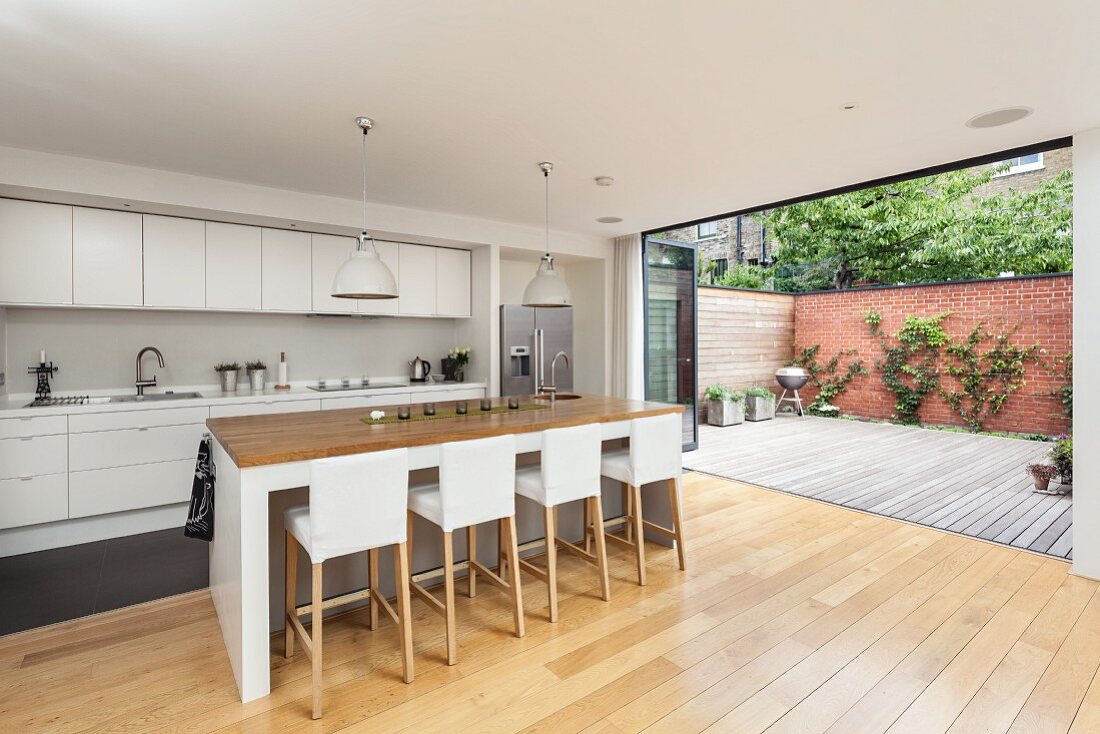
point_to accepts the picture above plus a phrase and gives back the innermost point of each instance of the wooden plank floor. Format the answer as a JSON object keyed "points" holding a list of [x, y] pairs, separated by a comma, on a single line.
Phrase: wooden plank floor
{"points": [[965, 483], [794, 616]]}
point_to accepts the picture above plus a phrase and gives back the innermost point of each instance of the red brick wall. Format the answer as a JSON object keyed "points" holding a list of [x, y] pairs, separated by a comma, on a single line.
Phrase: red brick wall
{"points": [[1041, 306]]}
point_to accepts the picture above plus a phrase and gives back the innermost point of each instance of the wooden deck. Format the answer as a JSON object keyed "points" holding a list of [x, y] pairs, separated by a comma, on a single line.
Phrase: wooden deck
{"points": [[973, 485]]}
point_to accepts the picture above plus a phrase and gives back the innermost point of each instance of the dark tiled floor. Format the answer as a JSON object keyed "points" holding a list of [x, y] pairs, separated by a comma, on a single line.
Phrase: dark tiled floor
{"points": [[66, 583]]}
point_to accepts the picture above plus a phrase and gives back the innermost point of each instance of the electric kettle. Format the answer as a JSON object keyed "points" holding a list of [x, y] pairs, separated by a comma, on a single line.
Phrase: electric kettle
{"points": [[419, 369]]}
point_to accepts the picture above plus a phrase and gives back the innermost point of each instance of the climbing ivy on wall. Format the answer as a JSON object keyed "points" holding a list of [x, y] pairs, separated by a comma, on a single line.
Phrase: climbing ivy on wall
{"points": [[910, 361], [824, 375]]}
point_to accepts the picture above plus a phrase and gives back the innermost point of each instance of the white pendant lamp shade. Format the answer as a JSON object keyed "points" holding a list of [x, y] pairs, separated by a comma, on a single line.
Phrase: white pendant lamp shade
{"points": [[547, 289], [364, 275]]}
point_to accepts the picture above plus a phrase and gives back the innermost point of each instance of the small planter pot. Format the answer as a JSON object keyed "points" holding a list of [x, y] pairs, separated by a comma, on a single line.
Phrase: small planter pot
{"points": [[759, 409], [229, 380], [257, 379], [1041, 485], [725, 412]]}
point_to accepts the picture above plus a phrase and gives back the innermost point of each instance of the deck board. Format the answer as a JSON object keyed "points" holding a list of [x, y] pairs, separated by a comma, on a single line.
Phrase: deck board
{"points": [[964, 483]]}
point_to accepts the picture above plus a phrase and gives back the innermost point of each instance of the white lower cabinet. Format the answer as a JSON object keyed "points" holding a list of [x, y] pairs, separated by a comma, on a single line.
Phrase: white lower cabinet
{"points": [[365, 401], [31, 456], [270, 406], [106, 449], [101, 491], [32, 426], [33, 500]]}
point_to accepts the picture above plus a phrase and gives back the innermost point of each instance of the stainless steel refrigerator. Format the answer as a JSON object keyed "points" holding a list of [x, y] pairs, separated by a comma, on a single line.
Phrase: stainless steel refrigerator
{"points": [[529, 339]]}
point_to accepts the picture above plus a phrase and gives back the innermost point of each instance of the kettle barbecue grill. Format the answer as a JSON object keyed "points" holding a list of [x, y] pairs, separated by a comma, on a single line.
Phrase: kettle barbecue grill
{"points": [[792, 379]]}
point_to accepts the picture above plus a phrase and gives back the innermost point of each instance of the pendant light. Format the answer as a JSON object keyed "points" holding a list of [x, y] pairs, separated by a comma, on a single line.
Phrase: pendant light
{"points": [[547, 289], [364, 275]]}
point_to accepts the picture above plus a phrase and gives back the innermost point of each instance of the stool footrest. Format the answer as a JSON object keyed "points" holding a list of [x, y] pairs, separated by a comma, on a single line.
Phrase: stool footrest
{"points": [[659, 529], [336, 601]]}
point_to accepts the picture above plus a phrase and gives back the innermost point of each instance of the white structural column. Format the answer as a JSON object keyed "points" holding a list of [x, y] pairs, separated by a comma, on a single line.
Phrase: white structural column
{"points": [[1086, 353]]}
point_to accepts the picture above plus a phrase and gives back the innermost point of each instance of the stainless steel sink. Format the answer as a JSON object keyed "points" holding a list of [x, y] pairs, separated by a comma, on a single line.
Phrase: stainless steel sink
{"points": [[561, 396], [158, 397]]}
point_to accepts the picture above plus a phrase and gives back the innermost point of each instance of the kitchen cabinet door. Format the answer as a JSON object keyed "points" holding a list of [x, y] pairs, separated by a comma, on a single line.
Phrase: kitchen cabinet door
{"points": [[286, 279], [233, 264], [33, 500], [416, 280], [106, 258], [329, 253], [389, 254], [36, 252], [452, 279], [174, 261]]}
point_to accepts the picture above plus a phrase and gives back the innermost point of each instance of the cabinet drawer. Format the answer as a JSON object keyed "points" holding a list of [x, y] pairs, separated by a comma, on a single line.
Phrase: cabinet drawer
{"points": [[101, 491], [27, 457], [45, 425], [440, 396], [364, 401], [107, 449], [272, 406], [33, 500], [137, 419]]}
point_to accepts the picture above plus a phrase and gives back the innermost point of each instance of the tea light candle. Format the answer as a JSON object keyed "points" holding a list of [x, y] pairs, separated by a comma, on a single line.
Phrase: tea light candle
{"points": [[460, 408], [429, 408], [486, 404], [513, 403], [403, 413]]}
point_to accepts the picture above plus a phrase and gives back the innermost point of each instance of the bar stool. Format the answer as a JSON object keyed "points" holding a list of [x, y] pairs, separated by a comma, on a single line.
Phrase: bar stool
{"points": [[653, 456], [356, 503], [476, 484], [570, 471]]}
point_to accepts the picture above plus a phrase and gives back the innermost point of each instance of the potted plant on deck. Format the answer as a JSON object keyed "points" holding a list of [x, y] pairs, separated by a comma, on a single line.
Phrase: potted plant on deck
{"points": [[1041, 474], [725, 407], [1061, 456], [759, 404]]}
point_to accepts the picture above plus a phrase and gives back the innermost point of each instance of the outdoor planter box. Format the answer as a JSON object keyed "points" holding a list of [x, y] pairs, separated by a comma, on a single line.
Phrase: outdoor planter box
{"points": [[725, 412], [759, 409]]}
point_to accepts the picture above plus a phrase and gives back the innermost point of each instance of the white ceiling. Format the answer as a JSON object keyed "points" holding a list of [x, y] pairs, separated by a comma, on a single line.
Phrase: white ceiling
{"points": [[695, 108]]}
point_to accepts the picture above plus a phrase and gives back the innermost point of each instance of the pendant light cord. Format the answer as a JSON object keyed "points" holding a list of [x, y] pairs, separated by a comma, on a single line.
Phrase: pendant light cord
{"points": [[546, 176], [364, 181]]}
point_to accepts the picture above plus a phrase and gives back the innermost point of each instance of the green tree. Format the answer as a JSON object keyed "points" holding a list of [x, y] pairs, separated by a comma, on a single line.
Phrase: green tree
{"points": [[924, 230]]}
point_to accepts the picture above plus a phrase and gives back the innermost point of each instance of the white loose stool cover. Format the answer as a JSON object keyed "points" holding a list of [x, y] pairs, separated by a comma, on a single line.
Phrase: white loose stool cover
{"points": [[654, 453], [356, 503], [477, 482], [569, 469]]}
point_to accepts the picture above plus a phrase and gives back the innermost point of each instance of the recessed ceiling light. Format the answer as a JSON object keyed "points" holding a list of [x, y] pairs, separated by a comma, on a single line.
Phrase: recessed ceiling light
{"points": [[294, 225], [849, 106], [609, 220], [604, 180], [1003, 116], [126, 205]]}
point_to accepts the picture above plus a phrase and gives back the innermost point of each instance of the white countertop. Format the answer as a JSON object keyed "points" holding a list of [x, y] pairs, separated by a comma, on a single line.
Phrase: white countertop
{"points": [[14, 406]]}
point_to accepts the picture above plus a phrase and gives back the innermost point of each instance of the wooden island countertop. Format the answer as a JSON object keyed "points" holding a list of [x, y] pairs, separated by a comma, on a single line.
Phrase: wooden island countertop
{"points": [[260, 440]]}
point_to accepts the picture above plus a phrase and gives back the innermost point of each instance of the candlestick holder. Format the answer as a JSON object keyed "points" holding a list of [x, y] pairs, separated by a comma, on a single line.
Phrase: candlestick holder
{"points": [[44, 370]]}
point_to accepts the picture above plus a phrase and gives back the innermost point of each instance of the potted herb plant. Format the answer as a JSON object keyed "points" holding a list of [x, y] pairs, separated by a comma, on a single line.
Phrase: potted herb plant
{"points": [[460, 357], [1041, 474], [725, 407], [257, 373], [759, 404], [227, 372]]}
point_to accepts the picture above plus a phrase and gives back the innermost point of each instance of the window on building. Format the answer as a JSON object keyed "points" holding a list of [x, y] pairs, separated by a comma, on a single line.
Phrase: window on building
{"points": [[721, 265], [1022, 164], [706, 229]]}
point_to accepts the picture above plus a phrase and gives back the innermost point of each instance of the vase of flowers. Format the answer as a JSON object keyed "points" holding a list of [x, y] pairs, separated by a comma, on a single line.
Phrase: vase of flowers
{"points": [[460, 357]]}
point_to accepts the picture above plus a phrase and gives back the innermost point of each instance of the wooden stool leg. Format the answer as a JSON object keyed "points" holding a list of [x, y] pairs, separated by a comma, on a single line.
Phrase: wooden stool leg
{"points": [[639, 537], [318, 602], [471, 553], [409, 539], [675, 505], [372, 559], [587, 527], [449, 589], [550, 523], [628, 500], [502, 563], [404, 627], [601, 547], [291, 591], [513, 576]]}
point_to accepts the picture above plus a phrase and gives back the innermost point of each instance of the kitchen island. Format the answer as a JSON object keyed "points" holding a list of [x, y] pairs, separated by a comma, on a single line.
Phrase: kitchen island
{"points": [[258, 455]]}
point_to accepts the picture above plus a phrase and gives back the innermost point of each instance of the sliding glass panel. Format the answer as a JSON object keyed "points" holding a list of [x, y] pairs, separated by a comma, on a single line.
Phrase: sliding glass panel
{"points": [[670, 325]]}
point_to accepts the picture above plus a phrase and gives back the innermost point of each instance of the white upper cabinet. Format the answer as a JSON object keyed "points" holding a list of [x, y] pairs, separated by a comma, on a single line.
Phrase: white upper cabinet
{"points": [[286, 271], [174, 255], [452, 282], [233, 265], [416, 280], [389, 253], [329, 253], [106, 258], [36, 252]]}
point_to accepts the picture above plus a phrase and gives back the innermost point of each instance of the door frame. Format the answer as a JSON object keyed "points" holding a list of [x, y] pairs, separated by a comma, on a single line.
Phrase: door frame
{"points": [[646, 239]]}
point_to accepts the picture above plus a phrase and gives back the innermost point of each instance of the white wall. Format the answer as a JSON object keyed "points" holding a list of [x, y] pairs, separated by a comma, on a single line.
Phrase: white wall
{"points": [[1086, 348], [95, 349]]}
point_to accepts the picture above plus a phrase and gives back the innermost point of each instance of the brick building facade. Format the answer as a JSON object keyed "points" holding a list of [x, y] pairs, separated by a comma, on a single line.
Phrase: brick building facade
{"points": [[744, 240]]}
